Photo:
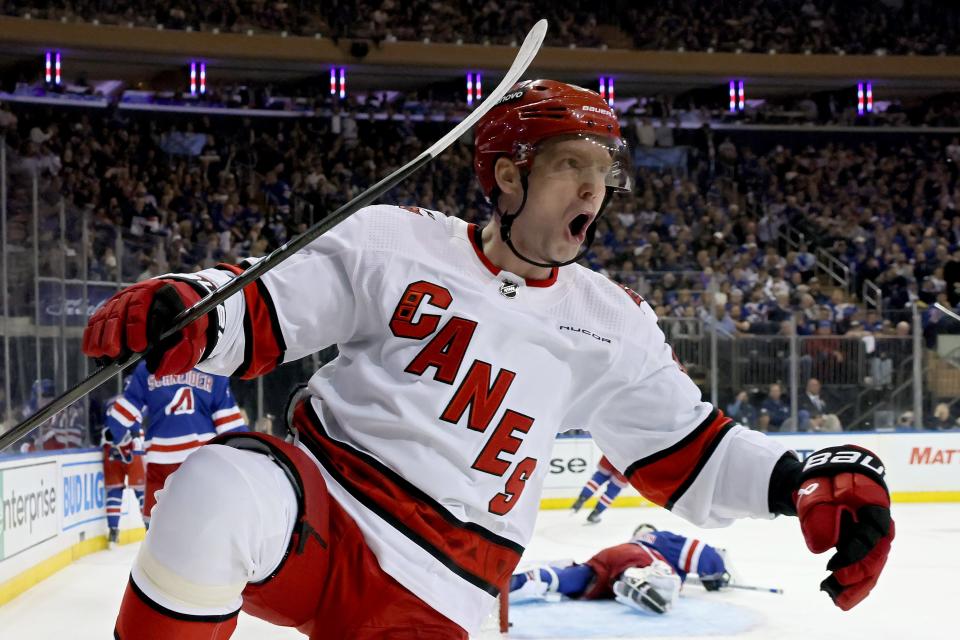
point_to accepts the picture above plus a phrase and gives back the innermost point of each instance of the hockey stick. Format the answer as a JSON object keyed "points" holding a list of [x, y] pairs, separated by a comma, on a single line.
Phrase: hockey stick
{"points": [[528, 51], [949, 312], [742, 587]]}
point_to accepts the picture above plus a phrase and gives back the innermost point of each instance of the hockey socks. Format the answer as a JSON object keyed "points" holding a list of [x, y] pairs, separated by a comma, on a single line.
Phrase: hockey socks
{"points": [[114, 504], [536, 583]]}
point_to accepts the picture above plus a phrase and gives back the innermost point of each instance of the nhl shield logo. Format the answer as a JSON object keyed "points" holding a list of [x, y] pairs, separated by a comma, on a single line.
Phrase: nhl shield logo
{"points": [[508, 289]]}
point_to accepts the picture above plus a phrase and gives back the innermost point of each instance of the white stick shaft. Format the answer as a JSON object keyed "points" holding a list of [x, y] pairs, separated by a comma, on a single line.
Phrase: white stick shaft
{"points": [[528, 51], [947, 311]]}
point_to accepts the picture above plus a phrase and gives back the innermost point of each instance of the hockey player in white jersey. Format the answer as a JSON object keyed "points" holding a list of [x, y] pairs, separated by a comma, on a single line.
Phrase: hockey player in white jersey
{"points": [[412, 482]]}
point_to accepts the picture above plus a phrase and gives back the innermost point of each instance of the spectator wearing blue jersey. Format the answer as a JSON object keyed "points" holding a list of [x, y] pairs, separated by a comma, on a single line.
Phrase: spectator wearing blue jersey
{"points": [[66, 430], [179, 414], [776, 407]]}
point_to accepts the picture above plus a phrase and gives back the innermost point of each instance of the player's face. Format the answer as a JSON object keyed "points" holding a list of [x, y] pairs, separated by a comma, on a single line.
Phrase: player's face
{"points": [[567, 185]]}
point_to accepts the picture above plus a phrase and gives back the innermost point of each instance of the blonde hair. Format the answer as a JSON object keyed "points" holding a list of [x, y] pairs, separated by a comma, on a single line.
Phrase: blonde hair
{"points": [[942, 411]]}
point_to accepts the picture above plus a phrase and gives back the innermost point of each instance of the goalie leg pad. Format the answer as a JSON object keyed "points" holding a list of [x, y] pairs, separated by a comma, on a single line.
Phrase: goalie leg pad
{"points": [[653, 588], [639, 595]]}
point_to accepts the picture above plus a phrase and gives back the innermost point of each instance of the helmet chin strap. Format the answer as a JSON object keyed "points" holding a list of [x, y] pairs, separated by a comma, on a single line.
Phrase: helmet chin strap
{"points": [[507, 220]]}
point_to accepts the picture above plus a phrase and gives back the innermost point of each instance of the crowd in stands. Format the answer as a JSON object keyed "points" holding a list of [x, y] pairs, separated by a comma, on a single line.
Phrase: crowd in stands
{"points": [[795, 26], [187, 192], [917, 27], [472, 21], [194, 191], [693, 244], [704, 248], [827, 108]]}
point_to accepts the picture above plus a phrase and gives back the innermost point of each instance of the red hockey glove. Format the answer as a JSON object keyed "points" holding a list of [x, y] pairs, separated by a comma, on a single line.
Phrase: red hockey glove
{"points": [[121, 451], [134, 320], [842, 500]]}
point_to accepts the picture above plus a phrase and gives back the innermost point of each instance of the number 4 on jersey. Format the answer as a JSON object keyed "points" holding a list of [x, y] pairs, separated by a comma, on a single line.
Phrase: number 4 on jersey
{"points": [[183, 402]]}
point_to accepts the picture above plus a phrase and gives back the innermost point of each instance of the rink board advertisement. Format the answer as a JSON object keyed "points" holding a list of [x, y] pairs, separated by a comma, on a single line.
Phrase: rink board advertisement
{"points": [[50, 505], [84, 497], [921, 466], [29, 505]]}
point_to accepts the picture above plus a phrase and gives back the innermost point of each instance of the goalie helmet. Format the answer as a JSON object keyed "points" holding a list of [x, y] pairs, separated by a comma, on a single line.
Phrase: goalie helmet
{"points": [[536, 110]]}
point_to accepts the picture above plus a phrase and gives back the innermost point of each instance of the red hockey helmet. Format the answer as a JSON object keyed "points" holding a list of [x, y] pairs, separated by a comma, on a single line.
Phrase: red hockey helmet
{"points": [[535, 110]]}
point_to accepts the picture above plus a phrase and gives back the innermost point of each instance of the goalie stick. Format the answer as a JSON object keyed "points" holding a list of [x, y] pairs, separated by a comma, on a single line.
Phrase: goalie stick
{"points": [[528, 51], [735, 585]]}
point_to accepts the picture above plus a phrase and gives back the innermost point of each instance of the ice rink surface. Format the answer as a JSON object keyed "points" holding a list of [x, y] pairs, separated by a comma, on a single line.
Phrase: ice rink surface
{"points": [[914, 598]]}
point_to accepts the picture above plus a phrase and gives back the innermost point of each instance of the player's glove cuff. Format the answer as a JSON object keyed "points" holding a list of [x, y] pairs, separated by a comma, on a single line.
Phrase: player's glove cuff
{"points": [[784, 482]]}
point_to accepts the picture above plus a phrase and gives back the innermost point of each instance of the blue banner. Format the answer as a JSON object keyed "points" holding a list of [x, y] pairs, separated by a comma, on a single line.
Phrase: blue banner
{"points": [[52, 305], [183, 144], [661, 158]]}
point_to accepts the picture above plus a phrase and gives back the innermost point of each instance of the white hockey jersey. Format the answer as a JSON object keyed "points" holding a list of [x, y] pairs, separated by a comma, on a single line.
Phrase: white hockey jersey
{"points": [[438, 418]]}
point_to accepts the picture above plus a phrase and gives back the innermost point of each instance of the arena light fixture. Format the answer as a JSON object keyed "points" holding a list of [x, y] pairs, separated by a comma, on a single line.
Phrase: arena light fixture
{"points": [[338, 90], [864, 98], [738, 96], [198, 78], [51, 70], [474, 88], [606, 89]]}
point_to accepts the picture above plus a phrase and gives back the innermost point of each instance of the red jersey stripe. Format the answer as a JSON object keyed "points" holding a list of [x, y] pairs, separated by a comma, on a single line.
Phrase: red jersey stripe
{"points": [[156, 448], [225, 419], [664, 476], [475, 554], [690, 554], [263, 342], [119, 408]]}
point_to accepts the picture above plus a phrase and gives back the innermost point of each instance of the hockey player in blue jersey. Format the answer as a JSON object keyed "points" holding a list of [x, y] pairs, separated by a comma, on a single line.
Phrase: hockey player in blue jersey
{"points": [[605, 474], [630, 573], [181, 412], [123, 467], [645, 573]]}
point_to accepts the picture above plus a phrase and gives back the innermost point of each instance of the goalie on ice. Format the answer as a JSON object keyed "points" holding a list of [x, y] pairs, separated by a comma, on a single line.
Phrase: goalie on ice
{"points": [[645, 573]]}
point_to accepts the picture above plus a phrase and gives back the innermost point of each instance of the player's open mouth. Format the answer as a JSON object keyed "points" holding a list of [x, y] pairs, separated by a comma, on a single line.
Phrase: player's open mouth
{"points": [[578, 226]]}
